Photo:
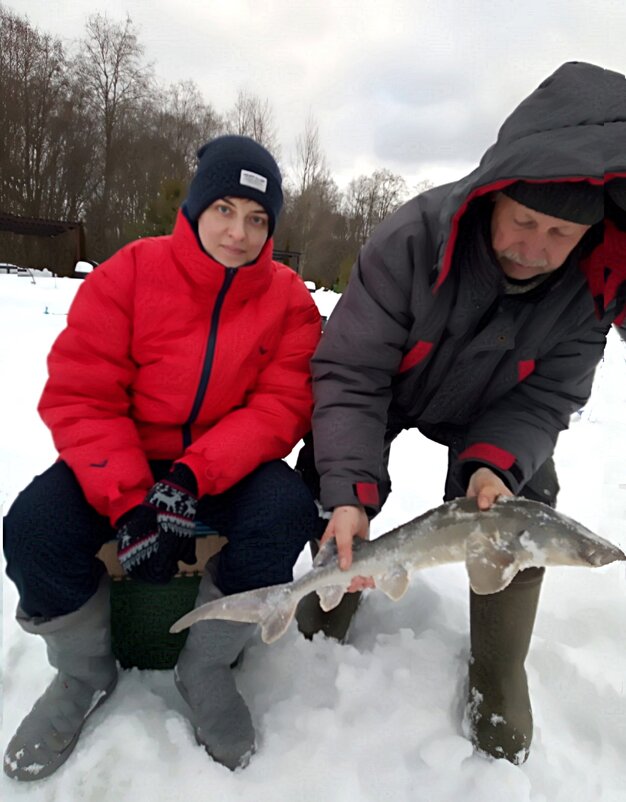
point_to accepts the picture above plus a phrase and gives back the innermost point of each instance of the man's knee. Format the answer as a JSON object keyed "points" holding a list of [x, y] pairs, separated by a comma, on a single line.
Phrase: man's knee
{"points": [[543, 485]]}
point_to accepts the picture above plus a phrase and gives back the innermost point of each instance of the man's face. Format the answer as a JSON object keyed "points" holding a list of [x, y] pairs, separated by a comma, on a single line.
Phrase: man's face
{"points": [[528, 243], [233, 230]]}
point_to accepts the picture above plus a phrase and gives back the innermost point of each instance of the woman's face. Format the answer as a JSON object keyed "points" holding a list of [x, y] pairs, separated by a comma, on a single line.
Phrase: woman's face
{"points": [[233, 230]]}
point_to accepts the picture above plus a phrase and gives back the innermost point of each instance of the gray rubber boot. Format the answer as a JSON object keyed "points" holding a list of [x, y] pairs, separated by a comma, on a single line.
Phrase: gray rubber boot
{"points": [[205, 680], [499, 711], [335, 623], [79, 646]]}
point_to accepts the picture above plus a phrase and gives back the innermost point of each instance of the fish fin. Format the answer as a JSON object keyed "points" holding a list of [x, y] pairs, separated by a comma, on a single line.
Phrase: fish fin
{"points": [[326, 554], [394, 583], [330, 596], [491, 564], [272, 608], [276, 623]]}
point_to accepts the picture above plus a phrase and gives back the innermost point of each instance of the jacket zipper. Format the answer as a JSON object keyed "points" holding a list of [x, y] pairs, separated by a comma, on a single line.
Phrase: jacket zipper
{"points": [[208, 356]]}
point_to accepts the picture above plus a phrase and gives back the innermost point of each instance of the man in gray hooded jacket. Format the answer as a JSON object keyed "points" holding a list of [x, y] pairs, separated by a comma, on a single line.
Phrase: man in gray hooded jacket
{"points": [[470, 315]]}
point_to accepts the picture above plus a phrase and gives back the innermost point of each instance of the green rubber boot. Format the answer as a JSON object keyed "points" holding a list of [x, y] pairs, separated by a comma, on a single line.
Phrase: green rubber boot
{"points": [[335, 623], [499, 711]]}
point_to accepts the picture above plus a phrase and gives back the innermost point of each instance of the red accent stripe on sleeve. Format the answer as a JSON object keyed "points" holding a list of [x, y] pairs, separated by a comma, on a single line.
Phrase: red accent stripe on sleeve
{"points": [[485, 452], [525, 368], [420, 351], [367, 493]]}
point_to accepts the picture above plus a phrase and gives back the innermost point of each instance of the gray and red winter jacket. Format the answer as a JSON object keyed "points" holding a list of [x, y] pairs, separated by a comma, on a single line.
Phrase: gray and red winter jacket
{"points": [[168, 354], [425, 335]]}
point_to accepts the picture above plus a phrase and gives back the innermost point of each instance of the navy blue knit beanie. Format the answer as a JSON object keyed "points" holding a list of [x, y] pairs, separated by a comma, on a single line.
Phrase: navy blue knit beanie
{"points": [[237, 167], [576, 201]]}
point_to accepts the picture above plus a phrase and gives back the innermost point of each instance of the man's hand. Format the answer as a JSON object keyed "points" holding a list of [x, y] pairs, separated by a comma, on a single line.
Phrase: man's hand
{"points": [[345, 524], [485, 486]]}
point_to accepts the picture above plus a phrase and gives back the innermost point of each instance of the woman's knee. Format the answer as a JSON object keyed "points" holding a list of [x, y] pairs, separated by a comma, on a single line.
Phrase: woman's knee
{"points": [[27, 514], [50, 522], [272, 522], [284, 494]]}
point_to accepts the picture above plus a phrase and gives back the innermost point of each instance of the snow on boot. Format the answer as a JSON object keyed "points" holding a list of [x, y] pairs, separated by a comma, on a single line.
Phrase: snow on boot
{"points": [[79, 646], [206, 681], [499, 712]]}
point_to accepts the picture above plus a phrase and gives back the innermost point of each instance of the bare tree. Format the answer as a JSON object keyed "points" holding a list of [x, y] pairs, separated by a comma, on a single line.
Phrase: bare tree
{"points": [[94, 138], [423, 185], [370, 199], [74, 174], [109, 68], [313, 195], [310, 164], [253, 117], [32, 86], [186, 122], [358, 208], [391, 190]]}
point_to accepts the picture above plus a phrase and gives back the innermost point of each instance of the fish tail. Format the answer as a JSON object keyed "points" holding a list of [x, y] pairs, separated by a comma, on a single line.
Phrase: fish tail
{"points": [[272, 608]]}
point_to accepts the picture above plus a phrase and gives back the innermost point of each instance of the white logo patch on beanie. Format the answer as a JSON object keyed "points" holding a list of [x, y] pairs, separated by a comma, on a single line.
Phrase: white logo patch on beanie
{"points": [[253, 180]]}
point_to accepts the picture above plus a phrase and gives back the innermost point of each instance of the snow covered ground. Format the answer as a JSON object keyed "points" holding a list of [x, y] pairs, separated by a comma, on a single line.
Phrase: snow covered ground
{"points": [[377, 719]]}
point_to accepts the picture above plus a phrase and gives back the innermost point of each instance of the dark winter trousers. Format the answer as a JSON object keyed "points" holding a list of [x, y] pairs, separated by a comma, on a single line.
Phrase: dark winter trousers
{"points": [[51, 535]]}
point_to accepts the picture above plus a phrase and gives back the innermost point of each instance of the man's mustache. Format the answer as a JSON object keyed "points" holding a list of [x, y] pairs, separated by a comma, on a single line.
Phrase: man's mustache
{"points": [[513, 256]]}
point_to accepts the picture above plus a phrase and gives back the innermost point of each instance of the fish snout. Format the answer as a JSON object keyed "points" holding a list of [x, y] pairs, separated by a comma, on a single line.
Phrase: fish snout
{"points": [[598, 554], [593, 550]]}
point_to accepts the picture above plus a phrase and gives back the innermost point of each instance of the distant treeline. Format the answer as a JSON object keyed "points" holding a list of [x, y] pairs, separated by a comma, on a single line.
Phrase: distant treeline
{"points": [[90, 135]]}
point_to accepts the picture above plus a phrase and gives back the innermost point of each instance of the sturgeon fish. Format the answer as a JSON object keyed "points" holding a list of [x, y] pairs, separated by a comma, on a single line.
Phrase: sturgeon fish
{"points": [[515, 533]]}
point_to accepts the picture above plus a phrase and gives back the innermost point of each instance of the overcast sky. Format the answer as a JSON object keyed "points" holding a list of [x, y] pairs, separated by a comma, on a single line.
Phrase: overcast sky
{"points": [[416, 86]]}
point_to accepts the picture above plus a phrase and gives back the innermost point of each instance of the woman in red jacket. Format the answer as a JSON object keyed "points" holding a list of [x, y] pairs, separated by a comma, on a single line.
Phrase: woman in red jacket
{"points": [[180, 383]]}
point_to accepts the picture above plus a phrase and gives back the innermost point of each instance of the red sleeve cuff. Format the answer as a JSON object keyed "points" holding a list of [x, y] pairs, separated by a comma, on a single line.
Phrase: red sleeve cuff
{"points": [[367, 493], [485, 452]]}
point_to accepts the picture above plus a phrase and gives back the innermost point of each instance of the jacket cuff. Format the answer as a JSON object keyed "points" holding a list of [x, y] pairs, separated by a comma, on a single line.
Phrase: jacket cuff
{"points": [[123, 504], [196, 465], [484, 455], [355, 494], [183, 477]]}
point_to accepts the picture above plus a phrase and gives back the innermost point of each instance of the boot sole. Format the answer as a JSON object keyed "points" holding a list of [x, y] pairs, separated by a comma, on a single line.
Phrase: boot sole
{"points": [[245, 759], [49, 769]]}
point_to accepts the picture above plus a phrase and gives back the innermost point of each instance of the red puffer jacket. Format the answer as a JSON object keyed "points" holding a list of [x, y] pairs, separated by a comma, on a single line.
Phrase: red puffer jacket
{"points": [[167, 354]]}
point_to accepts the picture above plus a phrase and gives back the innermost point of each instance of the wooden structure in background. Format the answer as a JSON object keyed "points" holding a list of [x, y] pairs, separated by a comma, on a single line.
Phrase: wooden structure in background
{"points": [[289, 258], [59, 245]]}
